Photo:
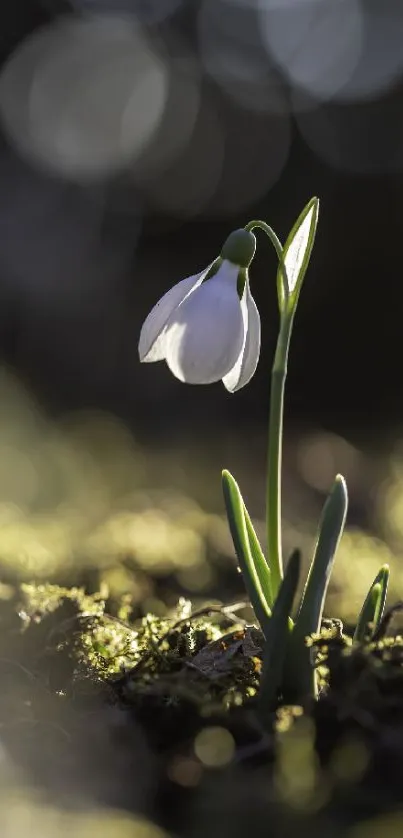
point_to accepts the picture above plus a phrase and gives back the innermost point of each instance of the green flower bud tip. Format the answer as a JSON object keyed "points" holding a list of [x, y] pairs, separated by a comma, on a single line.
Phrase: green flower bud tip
{"points": [[239, 248]]}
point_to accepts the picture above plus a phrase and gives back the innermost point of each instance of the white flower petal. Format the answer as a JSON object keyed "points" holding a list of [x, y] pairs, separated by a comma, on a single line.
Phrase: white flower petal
{"points": [[246, 364], [152, 335], [205, 335]]}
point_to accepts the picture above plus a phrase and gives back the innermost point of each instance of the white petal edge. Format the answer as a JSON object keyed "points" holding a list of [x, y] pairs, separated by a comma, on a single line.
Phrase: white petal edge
{"points": [[296, 251], [246, 364], [152, 335], [205, 335]]}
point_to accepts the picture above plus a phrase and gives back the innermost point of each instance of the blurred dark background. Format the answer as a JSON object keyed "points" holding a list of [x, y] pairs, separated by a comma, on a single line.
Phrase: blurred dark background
{"points": [[132, 143], [134, 137]]}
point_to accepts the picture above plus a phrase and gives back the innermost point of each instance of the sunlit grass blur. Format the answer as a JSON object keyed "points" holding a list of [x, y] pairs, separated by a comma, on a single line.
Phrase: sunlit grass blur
{"points": [[82, 496]]}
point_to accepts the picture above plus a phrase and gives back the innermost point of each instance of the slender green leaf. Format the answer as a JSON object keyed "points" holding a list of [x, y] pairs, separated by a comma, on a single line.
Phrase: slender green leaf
{"points": [[383, 581], [301, 677], [297, 253], [372, 610], [275, 647], [253, 565], [364, 626], [259, 558]]}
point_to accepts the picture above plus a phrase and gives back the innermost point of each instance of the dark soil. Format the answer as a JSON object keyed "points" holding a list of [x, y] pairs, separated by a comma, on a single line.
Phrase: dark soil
{"points": [[158, 717]]}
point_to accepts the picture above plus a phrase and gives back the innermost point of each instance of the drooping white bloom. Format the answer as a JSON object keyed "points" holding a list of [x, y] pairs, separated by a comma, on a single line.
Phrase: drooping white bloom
{"points": [[204, 330]]}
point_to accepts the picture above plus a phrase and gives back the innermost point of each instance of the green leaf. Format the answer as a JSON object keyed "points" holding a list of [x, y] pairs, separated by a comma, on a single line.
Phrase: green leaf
{"points": [[297, 253], [259, 558], [301, 678], [255, 571], [275, 647], [372, 610]]}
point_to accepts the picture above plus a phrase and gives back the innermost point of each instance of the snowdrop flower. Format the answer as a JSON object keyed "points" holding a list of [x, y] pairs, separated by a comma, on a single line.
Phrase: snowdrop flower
{"points": [[207, 327]]}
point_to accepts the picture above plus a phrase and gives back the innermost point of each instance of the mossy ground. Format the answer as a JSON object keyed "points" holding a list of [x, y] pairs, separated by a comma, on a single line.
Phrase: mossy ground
{"points": [[96, 706]]}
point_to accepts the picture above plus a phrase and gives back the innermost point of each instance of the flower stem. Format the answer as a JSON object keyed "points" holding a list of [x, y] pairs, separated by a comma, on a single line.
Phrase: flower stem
{"points": [[278, 377], [282, 288], [275, 444]]}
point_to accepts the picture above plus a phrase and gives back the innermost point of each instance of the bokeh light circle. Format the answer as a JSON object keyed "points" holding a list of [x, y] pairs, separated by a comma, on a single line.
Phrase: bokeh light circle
{"points": [[366, 139], [147, 12], [316, 43], [83, 96]]}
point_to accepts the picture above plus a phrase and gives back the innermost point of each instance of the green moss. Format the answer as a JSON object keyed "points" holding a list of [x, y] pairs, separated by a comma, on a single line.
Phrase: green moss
{"points": [[178, 658], [174, 675]]}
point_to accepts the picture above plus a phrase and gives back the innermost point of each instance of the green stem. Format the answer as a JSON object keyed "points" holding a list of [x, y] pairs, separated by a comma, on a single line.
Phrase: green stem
{"points": [[282, 288], [278, 377], [275, 444]]}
